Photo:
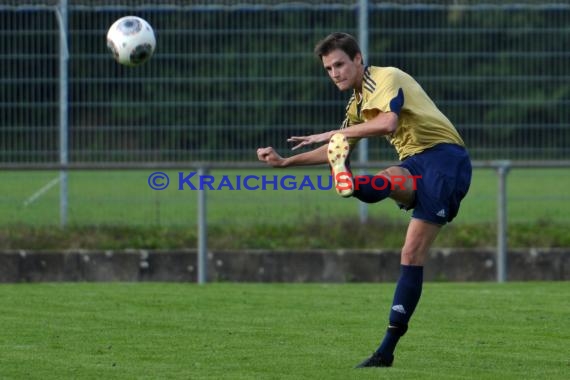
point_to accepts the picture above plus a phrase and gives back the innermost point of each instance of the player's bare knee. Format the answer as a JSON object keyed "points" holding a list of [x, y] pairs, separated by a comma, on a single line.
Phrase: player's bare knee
{"points": [[409, 258], [398, 182], [401, 185], [413, 255]]}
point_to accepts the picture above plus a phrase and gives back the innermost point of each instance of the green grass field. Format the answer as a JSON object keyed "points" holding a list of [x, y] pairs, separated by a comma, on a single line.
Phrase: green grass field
{"points": [[280, 331], [124, 198], [117, 210]]}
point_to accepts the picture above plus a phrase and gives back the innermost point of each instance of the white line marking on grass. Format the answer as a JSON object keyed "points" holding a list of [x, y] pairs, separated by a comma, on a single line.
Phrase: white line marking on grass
{"points": [[41, 191]]}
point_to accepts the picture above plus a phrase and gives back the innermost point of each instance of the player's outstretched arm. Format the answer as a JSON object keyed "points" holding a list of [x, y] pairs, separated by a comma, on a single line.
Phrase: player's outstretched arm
{"points": [[382, 124], [272, 158], [311, 139]]}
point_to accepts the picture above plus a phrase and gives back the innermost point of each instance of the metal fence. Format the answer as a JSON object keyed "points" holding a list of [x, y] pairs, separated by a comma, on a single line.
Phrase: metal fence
{"points": [[228, 77]]}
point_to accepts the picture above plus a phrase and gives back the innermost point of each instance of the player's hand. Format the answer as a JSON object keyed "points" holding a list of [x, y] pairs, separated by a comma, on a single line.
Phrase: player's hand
{"points": [[270, 157], [311, 139]]}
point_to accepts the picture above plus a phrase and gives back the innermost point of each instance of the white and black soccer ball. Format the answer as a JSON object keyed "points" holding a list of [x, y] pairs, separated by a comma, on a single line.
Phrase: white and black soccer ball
{"points": [[131, 40]]}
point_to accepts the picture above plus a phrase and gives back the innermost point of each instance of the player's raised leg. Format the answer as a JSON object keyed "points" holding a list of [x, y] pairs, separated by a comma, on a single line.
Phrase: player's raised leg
{"points": [[395, 182], [419, 238]]}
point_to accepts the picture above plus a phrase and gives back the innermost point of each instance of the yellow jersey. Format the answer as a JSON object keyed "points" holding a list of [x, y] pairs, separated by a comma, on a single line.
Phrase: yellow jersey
{"points": [[421, 124]]}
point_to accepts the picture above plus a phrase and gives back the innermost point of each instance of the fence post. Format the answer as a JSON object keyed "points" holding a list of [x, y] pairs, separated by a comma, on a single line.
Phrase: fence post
{"points": [[363, 42], [61, 14], [202, 232], [502, 171]]}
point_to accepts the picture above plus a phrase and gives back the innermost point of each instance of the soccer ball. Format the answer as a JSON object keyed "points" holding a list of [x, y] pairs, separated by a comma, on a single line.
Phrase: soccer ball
{"points": [[131, 40]]}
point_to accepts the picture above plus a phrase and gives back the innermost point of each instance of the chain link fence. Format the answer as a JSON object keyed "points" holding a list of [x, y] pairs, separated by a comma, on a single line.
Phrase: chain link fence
{"points": [[228, 77]]}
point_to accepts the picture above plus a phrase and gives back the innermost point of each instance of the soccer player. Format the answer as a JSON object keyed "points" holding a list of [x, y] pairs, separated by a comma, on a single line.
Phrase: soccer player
{"points": [[432, 178]]}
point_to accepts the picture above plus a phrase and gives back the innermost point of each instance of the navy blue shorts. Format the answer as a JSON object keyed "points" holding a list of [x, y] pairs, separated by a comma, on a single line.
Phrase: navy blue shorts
{"points": [[446, 176]]}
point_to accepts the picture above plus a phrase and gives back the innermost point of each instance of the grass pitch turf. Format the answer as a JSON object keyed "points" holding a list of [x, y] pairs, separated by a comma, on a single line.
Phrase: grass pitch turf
{"points": [[280, 331]]}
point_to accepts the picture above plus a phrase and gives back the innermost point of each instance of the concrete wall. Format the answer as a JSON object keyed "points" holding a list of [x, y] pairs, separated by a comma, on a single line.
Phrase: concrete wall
{"points": [[269, 266]]}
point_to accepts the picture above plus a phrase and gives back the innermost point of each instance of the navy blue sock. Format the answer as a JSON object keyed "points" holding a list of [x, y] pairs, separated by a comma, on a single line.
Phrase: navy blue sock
{"points": [[406, 298], [376, 189]]}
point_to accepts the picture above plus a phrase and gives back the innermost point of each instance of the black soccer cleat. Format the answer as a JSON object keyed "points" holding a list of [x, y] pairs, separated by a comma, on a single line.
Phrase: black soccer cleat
{"points": [[376, 361]]}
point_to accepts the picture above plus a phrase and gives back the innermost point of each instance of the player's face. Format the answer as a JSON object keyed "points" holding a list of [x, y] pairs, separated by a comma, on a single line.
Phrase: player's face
{"points": [[343, 71]]}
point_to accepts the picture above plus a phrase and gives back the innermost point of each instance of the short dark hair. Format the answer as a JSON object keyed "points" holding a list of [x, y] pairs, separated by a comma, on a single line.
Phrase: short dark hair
{"points": [[334, 41]]}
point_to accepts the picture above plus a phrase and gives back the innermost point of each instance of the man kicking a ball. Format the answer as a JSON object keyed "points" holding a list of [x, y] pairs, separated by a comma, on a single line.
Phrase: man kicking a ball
{"points": [[388, 102]]}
